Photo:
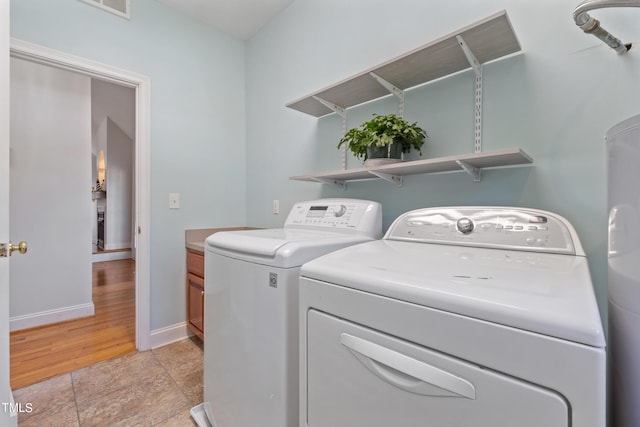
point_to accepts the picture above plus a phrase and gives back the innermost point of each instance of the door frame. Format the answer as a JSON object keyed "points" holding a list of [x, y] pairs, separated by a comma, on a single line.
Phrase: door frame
{"points": [[141, 83]]}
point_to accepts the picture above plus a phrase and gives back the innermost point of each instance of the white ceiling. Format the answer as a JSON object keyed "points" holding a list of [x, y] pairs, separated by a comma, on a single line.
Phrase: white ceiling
{"points": [[238, 18]]}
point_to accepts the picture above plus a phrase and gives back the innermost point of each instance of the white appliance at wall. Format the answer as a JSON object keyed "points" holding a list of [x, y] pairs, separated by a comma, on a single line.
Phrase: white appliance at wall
{"points": [[251, 309], [623, 146], [462, 316]]}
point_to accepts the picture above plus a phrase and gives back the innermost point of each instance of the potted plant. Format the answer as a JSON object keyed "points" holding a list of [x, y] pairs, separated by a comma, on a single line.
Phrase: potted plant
{"points": [[383, 139]]}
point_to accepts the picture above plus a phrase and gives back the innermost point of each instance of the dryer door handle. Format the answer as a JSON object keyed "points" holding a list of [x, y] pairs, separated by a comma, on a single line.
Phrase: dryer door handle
{"points": [[405, 372]]}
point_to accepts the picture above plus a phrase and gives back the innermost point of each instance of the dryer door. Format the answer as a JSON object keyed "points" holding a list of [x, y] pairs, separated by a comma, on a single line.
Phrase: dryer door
{"points": [[360, 377]]}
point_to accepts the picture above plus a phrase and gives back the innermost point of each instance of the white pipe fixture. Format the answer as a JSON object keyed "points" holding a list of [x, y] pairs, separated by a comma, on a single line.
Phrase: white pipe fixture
{"points": [[591, 25]]}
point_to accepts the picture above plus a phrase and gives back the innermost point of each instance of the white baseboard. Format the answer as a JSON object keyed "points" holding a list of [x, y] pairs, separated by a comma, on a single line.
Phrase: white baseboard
{"points": [[51, 316], [117, 246], [110, 256], [169, 334]]}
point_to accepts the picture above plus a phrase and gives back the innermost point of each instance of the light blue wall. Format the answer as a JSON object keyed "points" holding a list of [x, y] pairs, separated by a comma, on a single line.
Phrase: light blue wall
{"points": [[197, 118], [555, 101]]}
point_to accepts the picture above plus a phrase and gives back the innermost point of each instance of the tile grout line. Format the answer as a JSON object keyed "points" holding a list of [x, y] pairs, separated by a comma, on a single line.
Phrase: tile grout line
{"points": [[173, 380], [170, 376], [75, 397]]}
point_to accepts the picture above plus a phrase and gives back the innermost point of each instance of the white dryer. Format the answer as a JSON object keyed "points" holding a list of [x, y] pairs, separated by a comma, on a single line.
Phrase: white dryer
{"points": [[251, 309], [459, 316]]}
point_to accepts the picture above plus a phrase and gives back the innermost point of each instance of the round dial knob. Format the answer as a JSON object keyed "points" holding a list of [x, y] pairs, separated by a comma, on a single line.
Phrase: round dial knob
{"points": [[464, 225], [341, 211]]}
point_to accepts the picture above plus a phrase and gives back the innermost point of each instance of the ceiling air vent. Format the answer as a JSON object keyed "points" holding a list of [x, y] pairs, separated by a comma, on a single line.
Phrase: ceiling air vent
{"points": [[118, 7]]}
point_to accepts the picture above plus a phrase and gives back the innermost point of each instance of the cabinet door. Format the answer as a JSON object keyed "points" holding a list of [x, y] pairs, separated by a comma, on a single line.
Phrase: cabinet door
{"points": [[195, 263], [196, 303]]}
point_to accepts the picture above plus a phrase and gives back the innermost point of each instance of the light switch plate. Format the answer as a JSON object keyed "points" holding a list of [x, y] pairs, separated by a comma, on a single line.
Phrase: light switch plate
{"points": [[174, 200]]}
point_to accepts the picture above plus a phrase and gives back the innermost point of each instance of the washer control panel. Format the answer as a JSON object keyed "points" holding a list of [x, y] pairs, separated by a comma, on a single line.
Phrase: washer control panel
{"points": [[495, 227], [340, 214]]}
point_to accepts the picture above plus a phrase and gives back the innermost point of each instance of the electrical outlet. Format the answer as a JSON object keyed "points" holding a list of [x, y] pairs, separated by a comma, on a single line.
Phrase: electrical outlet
{"points": [[276, 207], [174, 200]]}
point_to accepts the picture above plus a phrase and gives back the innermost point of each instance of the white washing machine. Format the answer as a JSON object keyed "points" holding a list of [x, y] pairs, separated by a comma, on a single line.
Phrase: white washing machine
{"points": [[251, 309], [623, 148], [459, 316]]}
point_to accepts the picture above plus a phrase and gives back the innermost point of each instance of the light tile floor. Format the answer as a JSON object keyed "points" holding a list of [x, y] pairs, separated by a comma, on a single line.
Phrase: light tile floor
{"points": [[151, 388]]}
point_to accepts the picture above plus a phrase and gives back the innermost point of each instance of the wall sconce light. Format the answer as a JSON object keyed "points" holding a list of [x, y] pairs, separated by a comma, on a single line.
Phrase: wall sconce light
{"points": [[101, 170]]}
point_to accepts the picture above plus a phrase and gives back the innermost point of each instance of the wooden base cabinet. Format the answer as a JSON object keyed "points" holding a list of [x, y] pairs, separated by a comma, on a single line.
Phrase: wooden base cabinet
{"points": [[194, 239], [195, 292]]}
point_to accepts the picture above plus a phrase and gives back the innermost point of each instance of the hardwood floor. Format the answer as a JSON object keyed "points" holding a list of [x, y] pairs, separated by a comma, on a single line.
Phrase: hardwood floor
{"points": [[50, 350]]}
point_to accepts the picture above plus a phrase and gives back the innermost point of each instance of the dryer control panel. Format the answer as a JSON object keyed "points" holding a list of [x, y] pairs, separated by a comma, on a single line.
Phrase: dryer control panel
{"points": [[348, 215], [493, 227]]}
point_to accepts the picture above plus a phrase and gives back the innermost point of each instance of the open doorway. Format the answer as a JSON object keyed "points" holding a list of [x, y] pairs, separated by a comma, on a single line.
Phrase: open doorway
{"points": [[140, 84], [112, 170]]}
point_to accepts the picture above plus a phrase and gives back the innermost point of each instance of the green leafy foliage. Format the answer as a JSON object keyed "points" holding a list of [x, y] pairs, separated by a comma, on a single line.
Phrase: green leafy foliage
{"points": [[382, 131]]}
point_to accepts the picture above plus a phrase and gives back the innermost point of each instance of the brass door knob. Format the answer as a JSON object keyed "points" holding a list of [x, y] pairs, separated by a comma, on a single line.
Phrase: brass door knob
{"points": [[6, 249], [21, 247]]}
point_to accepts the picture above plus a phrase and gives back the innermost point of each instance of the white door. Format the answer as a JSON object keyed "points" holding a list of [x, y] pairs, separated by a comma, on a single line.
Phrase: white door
{"points": [[5, 392], [50, 193]]}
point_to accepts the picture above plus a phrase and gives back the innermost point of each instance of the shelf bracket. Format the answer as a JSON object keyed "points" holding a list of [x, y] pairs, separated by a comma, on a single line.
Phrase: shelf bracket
{"points": [[399, 93], [335, 182], [333, 107], [342, 112], [476, 173], [394, 179], [477, 68]]}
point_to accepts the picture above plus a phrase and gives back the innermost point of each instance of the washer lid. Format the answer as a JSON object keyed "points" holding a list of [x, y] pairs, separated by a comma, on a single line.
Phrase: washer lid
{"points": [[550, 294], [279, 247]]}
